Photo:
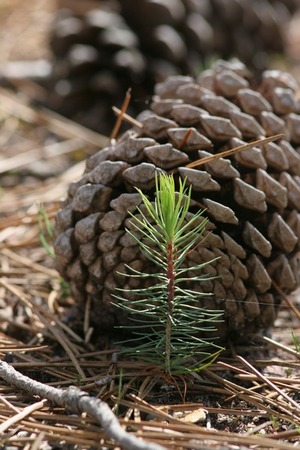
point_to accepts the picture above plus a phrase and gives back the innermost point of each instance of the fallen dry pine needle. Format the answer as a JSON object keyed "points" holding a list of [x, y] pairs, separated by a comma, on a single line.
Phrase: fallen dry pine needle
{"points": [[76, 401]]}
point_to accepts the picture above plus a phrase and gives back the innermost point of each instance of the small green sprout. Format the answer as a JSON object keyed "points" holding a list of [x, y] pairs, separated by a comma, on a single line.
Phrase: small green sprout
{"points": [[296, 342], [46, 231], [46, 235], [168, 321]]}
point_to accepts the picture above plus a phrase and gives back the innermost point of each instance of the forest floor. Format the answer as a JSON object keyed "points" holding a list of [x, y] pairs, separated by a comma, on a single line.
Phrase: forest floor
{"points": [[238, 403]]}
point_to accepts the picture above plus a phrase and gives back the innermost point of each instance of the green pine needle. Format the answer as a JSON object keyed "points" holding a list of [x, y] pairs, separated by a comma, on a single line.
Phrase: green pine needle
{"points": [[167, 321], [46, 231]]}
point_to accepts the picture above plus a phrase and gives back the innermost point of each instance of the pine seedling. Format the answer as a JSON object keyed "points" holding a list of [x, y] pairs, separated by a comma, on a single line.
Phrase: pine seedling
{"points": [[46, 235], [170, 328]]}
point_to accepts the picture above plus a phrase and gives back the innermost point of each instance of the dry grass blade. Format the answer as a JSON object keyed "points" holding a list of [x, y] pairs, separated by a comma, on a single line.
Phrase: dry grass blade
{"points": [[36, 445], [50, 151], [289, 350], [49, 324], [232, 151], [191, 436], [27, 262], [47, 192], [11, 104], [261, 401], [295, 412], [21, 415], [127, 117], [7, 403], [124, 107], [287, 301]]}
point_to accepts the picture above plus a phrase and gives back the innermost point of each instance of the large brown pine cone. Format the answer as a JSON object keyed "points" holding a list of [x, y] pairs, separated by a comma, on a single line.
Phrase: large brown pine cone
{"points": [[252, 198], [101, 52]]}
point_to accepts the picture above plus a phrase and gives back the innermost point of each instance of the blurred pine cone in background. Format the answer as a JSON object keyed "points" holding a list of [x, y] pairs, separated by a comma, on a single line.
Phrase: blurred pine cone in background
{"points": [[101, 48], [252, 197]]}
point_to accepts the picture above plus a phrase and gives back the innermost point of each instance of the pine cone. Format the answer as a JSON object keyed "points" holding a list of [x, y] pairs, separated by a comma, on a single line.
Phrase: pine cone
{"points": [[99, 53], [252, 197]]}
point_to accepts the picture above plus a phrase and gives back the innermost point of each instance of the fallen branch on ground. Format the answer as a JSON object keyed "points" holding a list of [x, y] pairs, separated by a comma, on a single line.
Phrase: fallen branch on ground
{"points": [[76, 401]]}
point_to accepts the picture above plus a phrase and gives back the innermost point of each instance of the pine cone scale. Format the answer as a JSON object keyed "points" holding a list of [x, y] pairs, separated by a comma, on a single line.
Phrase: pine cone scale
{"points": [[252, 198]]}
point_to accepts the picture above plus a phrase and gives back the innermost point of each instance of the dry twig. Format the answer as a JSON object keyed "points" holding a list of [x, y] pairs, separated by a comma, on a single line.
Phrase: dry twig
{"points": [[77, 402]]}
